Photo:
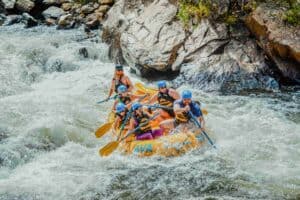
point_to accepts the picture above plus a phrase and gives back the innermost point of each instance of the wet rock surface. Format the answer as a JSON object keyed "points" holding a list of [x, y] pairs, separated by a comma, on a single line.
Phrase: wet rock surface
{"points": [[209, 56], [280, 42]]}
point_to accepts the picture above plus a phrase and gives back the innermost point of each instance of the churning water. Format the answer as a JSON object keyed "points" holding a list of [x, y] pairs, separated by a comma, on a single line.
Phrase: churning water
{"points": [[49, 83]]}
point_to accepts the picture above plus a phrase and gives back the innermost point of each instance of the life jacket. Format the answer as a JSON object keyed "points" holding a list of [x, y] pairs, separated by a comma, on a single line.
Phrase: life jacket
{"points": [[119, 82], [140, 120], [165, 99], [183, 117], [126, 100]]}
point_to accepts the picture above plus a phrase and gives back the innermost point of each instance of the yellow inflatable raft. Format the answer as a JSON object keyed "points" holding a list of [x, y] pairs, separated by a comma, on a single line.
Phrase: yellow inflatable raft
{"points": [[167, 145]]}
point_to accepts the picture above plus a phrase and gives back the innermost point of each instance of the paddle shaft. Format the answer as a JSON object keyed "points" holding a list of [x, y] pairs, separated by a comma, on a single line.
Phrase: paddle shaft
{"points": [[124, 123], [105, 100], [199, 126], [159, 106]]}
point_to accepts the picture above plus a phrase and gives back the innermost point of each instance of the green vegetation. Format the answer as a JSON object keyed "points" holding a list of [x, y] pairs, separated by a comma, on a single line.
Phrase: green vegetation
{"points": [[292, 16], [83, 2], [189, 11]]}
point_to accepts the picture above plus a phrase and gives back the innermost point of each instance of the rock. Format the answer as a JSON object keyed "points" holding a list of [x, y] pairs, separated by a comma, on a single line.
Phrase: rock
{"points": [[106, 2], [83, 52], [92, 21], [87, 9], [24, 5], [66, 6], [12, 19], [96, 5], [147, 37], [55, 2], [280, 42], [50, 22], [103, 8], [8, 4], [239, 68], [66, 22], [2, 8], [153, 39], [29, 20], [2, 19], [53, 12]]}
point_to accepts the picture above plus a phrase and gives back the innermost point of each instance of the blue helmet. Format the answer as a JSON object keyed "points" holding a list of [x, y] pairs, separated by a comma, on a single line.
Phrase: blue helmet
{"points": [[122, 88], [186, 94], [161, 84], [119, 67], [120, 107], [136, 106]]}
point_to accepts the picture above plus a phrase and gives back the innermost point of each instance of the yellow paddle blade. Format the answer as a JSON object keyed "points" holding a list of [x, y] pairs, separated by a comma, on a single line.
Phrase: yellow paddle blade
{"points": [[103, 129], [140, 87], [111, 117], [204, 111], [109, 148]]}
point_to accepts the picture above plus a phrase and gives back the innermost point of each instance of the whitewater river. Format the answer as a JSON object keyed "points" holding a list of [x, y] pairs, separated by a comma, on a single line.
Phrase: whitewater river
{"points": [[48, 116]]}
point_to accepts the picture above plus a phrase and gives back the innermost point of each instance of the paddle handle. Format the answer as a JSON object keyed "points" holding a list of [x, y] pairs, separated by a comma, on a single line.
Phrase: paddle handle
{"points": [[203, 132]]}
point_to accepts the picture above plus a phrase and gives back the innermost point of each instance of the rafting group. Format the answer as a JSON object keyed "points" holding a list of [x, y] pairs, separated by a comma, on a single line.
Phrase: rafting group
{"points": [[152, 121]]}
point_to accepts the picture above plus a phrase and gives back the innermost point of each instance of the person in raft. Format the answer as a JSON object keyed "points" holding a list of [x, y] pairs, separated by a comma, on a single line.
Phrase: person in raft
{"points": [[125, 97], [165, 97], [182, 117], [121, 113], [119, 79], [140, 117]]}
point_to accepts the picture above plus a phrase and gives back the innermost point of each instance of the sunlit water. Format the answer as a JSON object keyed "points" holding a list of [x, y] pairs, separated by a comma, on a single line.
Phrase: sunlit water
{"points": [[48, 118]]}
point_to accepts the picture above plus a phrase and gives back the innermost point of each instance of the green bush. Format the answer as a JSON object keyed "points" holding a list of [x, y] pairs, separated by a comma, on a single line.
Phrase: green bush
{"points": [[292, 16], [191, 11]]}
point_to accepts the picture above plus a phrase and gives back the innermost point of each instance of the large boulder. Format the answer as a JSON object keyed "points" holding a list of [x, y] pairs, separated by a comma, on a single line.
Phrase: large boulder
{"points": [[153, 38], [147, 36], [8, 4], [280, 42], [24, 5], [236, 68], [53, 12]]}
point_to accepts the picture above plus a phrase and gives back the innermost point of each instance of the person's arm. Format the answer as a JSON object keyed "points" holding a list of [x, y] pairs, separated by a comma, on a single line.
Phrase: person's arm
{"points": [[177, 108], [115, 104], [117, 123], [129, 83], [199, 115], [153, 99], [202, 122], [112, 87], [174, 94], [131, 124]]}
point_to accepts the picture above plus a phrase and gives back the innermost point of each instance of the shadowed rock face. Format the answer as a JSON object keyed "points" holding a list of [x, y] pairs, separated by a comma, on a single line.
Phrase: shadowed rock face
{"points": [[280, 42], [147, 36]]}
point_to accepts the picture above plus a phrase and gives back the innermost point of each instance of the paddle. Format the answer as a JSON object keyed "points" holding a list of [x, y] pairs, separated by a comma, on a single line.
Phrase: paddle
{"points": [[158, 106], [128, 115], [142, 88], [107, 99], [197, 123], [204, 111], [103, 129], [110, 147], [107, 126]]}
